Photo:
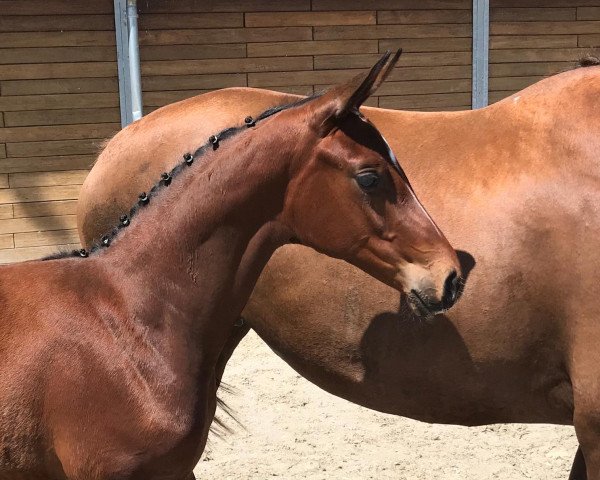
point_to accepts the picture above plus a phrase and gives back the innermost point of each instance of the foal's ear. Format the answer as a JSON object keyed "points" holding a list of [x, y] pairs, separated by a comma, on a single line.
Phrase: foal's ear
{"points": [[348, 97]]}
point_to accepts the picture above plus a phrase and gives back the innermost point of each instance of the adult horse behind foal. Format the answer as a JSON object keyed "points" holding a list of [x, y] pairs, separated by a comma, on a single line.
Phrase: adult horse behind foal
{"points": [[107, 360], [516, 184]]}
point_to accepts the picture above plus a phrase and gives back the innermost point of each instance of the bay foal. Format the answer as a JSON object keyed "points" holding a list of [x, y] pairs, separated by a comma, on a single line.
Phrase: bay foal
{"points": [[107, 363]]}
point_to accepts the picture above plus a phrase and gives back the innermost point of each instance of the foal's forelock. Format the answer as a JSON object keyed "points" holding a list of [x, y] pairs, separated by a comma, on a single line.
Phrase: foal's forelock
{"points": [[384, 148], [391, 157]]}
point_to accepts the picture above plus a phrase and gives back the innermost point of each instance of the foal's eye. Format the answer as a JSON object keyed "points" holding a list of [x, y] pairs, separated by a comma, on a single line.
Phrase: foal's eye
{"points": [[367, 180]]}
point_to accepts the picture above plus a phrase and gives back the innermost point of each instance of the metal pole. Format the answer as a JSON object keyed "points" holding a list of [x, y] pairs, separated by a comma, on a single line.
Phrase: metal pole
{"points": [[481, 40], [134, 61], [123, 61]]}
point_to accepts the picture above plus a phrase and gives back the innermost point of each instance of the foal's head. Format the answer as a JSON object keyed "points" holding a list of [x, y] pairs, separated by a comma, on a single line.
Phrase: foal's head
{"points": [[349, 198]]}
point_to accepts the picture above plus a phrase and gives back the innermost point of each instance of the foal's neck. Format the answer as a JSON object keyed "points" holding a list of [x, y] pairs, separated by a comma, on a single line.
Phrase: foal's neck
{"points": [[193, 255]]}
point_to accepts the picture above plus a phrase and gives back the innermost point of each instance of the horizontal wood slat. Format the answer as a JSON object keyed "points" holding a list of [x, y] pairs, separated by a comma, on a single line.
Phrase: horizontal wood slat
{"points": [[392, 31], [391, 4], [275, 49], [410, 45], [33, 253], [6, 211], [18, 225], [528, 69], [44, 179], [418, 17], [433, 100], [57, 55], [533, 41], [537, 55], [63, 117], [58, 70], [310, 19], [542, 3], [592, 41], [153, 21], [328, 62], [190, 6], [192, 82], [44, 102], [48, 163], [43, 209], [512, 83], [588, 13], [62, 132], [49, 237], [541, 28], [62, 85], [40, 23], [192, 52], [44, 149], [234, 65], [39, 194], [533, 14], [420, 87], [223, 35], [7, 241], [160, 99], [56, 7], [57, 39]]}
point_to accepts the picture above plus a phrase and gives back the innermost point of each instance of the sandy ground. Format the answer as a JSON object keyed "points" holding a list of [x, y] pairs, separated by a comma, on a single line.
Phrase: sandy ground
{"points": [[293, 430]]}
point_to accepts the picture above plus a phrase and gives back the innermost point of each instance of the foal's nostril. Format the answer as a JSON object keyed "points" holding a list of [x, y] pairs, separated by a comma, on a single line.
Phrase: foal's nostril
{"points": [[450, 289]]}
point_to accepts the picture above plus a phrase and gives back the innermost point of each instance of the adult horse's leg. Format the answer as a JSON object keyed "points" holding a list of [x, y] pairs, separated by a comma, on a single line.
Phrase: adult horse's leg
{"points": [[578, 471], [239, 331]]}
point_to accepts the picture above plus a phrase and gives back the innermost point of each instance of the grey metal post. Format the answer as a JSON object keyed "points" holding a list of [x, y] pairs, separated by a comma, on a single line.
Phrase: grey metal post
{"points": [[123, 60], [481, 40], [135, 74], [128, 61]]}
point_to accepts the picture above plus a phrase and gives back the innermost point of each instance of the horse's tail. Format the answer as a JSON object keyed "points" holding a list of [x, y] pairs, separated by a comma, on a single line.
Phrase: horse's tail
{"points": [[220, 426]]}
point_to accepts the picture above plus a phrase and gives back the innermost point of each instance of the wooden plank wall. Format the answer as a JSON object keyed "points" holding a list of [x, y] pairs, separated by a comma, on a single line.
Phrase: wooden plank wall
{"points": [[58, 101], [533, 39], [193, 46]]}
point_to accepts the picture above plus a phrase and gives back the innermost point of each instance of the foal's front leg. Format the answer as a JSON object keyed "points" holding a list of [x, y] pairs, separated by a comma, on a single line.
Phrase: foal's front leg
{"points": [[238, 332]]}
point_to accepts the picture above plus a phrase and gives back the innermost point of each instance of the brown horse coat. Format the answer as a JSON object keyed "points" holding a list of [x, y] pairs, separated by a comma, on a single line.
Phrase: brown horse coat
{"points": [[516, 185]]}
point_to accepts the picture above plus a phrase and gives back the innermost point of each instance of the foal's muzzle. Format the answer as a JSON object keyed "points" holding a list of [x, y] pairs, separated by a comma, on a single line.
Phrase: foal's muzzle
{"points": [[428, 306]]}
